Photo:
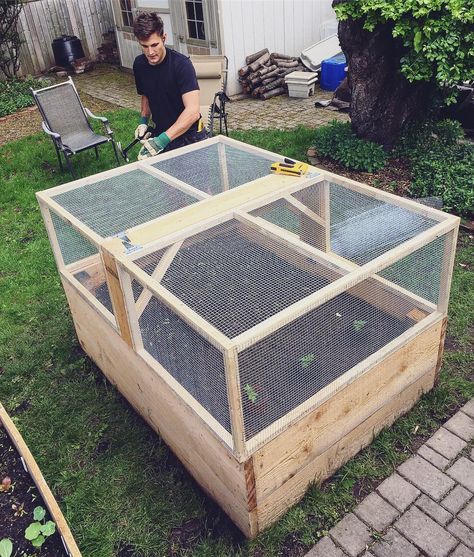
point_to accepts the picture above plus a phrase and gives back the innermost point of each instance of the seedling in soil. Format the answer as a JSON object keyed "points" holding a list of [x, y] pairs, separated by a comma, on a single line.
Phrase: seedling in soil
{"points": [[38, 531], [359, 324], [305, 361], [251, 393], [6, 548]]}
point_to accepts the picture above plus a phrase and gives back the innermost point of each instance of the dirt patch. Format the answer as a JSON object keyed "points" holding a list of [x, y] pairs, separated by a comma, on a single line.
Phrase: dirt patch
{"points": [[395, 177], [28, 121], [18, 503]]}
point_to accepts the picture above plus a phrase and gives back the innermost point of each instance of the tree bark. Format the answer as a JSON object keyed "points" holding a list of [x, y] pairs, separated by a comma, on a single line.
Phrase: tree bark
{"points": [[382, 99]]}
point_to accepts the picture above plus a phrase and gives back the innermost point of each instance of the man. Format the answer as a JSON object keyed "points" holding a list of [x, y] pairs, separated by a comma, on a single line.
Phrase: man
{"points": [[169, 91]]}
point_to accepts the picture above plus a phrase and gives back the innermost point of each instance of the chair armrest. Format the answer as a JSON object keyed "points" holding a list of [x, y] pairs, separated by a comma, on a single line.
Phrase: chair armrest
{"points": [[56, 137], [103, 119]]}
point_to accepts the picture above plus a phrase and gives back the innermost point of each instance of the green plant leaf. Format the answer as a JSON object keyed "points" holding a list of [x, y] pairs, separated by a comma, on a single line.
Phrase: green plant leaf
{"points": [[251, 393], [39, 513], [417, 41], [38, 541], [33, 531], [6, 547], [48, 529], [359, 324], [306, 360]]}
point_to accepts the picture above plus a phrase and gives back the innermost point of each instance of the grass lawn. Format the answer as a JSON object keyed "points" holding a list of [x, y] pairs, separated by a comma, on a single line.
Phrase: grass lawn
{"points": [[122, 490]]}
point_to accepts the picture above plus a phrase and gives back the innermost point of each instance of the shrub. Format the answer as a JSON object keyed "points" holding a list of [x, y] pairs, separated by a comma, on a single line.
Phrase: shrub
{"points": [[15, 94], [441, 165], [338, 142]]}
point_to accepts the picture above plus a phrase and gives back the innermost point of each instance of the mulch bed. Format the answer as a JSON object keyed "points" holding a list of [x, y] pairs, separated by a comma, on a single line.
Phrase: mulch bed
{"points": [[17, 505], [395, 177]]}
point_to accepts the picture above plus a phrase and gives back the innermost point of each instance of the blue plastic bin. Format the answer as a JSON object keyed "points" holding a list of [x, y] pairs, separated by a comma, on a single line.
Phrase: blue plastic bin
{"points": [[333, 72]]}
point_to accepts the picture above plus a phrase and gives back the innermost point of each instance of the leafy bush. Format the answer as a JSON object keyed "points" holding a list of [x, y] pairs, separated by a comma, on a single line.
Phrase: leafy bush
{"points": [[441, 165], [338, 142], [15, 94]]}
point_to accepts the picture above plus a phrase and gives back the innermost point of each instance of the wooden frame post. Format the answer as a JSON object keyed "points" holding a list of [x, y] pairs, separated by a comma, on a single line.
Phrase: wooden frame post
{"points": [[449, 254], [116, 295], [231, 364]]}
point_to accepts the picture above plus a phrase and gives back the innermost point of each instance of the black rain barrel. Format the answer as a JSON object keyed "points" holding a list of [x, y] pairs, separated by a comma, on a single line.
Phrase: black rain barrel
{"points": [[66, 49]]}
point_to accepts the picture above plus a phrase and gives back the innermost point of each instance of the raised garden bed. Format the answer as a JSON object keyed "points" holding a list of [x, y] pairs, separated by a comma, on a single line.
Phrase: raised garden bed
{"points": [[267, 326], [31, 521]]}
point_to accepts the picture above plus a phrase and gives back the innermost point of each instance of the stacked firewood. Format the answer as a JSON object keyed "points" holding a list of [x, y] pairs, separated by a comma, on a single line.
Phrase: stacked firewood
{"points": [[263, 76]]}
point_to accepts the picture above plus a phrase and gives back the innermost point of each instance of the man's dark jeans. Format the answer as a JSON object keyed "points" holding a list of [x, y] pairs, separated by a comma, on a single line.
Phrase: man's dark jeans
{"points": [[186, 139]]}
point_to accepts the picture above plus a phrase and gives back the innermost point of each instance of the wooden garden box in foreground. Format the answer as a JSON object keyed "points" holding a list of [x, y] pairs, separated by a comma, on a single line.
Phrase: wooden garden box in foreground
{"points": [[266, 326]]}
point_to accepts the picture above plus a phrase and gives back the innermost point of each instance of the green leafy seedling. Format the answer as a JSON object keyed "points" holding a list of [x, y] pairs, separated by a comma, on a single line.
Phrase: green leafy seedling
{"points": [[38, 541], [251, 393], [359, 324], [6, 547], [39, 513], [305, 361], [33, 531], [37, 532], [48, 529]]}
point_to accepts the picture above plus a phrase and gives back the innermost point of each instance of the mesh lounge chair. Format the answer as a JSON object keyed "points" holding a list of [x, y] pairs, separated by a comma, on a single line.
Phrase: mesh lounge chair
{"points": [[211, 72], [65, 120]]}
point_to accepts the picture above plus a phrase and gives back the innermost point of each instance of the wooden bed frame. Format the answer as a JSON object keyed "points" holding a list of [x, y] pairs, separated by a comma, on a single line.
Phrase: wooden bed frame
{"points": [[256, 480]]}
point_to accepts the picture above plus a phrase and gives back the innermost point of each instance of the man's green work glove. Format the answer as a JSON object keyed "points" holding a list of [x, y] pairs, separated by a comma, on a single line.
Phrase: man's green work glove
{"points": [[156, 144]]}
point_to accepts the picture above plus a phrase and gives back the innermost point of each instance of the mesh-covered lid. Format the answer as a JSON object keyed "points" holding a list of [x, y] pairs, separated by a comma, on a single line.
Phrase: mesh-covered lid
{"points": [[236, 277], [123, 201], [216, 168]]}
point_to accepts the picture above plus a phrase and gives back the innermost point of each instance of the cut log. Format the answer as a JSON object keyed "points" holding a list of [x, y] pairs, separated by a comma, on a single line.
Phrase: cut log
{"points": [[287, 64], [272, 85], [254, 66], [271, 75], [273, 93], [252, 57], [244, 71], [281, 56], [266, 69]]}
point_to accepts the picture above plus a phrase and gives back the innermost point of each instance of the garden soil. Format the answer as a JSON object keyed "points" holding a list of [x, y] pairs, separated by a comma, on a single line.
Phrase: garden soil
{"points": [[17, 505]]}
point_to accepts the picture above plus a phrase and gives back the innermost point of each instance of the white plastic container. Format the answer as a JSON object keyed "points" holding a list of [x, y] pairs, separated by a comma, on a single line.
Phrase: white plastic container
{"points": [[301, 84]]}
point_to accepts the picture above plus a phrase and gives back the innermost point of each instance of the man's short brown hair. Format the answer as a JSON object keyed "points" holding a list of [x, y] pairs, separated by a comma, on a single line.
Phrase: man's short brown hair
{"points": [[146, 24]]}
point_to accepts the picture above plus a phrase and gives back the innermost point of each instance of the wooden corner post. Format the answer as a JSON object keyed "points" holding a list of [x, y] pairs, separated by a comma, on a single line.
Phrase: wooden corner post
{"points": [[115, 290], [231, 364]]}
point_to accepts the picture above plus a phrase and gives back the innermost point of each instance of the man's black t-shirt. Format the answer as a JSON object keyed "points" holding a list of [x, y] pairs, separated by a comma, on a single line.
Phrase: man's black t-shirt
{"points": [[163, 85]]}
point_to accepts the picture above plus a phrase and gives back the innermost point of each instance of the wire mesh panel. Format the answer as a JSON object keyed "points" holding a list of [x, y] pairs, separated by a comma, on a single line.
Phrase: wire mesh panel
{"points": [[362, 228], [72, 244], [193, 361], [420, 272], [216, 168], [118, 203], [235, 277], [289, 366]]}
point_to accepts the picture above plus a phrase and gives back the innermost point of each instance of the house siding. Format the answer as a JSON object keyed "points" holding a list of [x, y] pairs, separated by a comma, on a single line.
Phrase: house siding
{"points": [[284, 26]]}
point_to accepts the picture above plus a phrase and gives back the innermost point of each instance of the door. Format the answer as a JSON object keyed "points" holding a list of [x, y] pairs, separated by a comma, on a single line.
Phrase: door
{"points": [[124, 11], [197, 26]]}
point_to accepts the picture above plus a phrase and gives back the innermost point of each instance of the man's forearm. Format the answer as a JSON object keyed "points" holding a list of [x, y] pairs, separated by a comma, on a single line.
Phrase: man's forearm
{"points": [[185, 120], [145, 111]]}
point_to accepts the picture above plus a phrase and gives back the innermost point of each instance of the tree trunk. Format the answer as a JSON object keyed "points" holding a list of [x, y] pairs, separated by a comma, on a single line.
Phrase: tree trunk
{"points": [[382, 99]]}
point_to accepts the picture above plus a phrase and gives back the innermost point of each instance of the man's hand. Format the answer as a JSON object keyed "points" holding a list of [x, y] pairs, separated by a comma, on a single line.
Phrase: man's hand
{"points": [[141, 132], [154, 146]]}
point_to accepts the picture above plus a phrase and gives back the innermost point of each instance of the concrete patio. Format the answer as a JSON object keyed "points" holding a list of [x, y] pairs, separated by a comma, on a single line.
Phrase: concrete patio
{"points": [[108, 83]]}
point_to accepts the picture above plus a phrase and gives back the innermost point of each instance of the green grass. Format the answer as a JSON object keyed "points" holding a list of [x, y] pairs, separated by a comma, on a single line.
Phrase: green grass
{"points": [[119, 485]]}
